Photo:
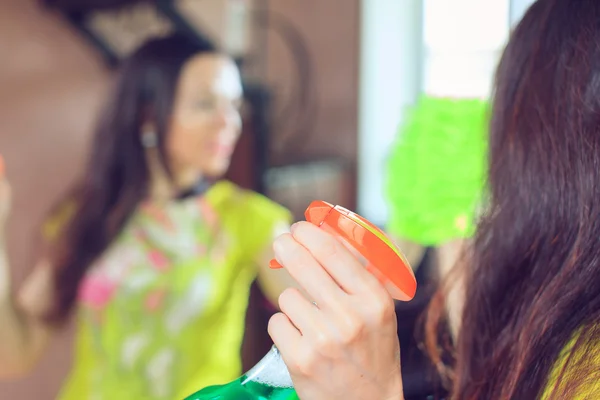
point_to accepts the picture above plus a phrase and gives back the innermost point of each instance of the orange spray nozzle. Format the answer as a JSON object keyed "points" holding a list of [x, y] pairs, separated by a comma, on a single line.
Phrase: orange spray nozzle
{"points": [[383, 258], [316, 213]]}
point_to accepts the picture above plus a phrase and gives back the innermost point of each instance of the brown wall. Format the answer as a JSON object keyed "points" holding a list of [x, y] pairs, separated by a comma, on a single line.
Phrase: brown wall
{"points": [[52, 84], [331, 31]]}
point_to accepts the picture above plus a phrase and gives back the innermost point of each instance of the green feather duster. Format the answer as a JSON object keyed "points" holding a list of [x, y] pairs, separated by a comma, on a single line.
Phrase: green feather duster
{"points": [[436, 170]]}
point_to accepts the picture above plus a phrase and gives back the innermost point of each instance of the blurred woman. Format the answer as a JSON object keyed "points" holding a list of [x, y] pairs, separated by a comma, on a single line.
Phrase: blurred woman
{"points": [[152, 252]]}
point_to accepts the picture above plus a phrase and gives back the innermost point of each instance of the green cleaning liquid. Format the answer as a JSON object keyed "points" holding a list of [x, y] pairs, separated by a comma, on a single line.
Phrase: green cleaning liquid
{"points": [[238, 390], [267, 380]]}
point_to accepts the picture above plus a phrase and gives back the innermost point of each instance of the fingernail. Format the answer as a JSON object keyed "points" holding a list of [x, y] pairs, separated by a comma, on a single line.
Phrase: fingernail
{"points": [[278, 259], [293, 227]]}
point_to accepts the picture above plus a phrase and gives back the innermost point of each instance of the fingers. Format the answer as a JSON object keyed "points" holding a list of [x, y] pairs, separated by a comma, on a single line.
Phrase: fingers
{"points": [[285, 336], [305, 270], [299, 310], [341, 264]]}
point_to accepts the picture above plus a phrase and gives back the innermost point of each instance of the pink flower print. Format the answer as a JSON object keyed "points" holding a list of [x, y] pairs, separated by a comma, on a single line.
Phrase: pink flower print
{"points": [[96, 291], [208, 212], [159, 215], [154, 300], [200, 249], [139, 234], [159, 260]]}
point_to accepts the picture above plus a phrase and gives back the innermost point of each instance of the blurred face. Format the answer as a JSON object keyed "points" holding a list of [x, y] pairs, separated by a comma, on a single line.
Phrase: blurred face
{"points": [[206, 120]]}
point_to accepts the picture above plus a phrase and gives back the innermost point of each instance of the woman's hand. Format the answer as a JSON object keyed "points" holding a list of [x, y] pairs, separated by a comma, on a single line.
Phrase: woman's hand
{"points": [[344, 345], [24, 338]]}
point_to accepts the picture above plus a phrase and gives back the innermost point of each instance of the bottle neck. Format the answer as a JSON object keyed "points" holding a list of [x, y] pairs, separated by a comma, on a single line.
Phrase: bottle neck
{"points": [[270, 371]]}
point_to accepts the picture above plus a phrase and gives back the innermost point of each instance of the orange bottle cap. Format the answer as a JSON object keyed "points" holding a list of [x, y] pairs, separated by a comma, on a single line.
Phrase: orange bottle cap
{"points": [[384, 258]]}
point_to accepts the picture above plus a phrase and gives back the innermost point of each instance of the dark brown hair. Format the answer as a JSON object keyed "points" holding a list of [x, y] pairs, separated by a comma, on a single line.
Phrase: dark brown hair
{"points": [[116, 178], [532, 271]]}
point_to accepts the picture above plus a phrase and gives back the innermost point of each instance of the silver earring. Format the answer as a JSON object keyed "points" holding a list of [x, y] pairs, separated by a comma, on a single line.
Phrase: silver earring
{"points": [[149, 139]]}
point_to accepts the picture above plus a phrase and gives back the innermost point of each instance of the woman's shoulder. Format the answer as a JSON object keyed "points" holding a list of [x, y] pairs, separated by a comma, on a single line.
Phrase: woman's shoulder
{"points": [[252, 217], [576, 373], [229, 197]]}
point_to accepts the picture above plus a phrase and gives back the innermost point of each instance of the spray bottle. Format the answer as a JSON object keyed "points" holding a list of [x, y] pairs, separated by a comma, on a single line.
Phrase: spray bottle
{"points": [[270, 379]]}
